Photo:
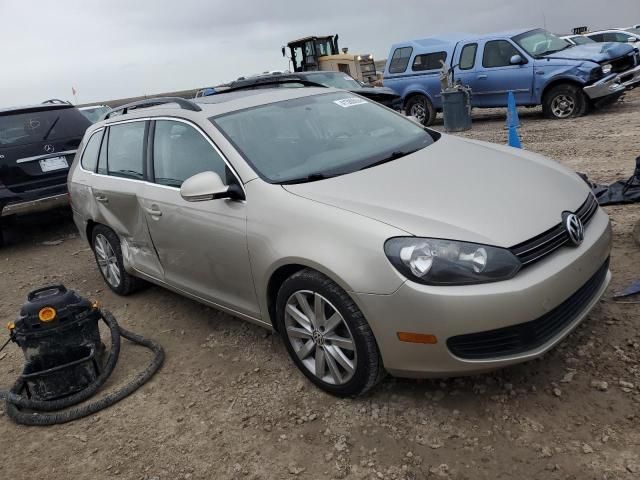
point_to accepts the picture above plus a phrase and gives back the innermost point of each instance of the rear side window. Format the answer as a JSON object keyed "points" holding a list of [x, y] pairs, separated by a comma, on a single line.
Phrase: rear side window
{"points": [[598, 37], [126, 147], [89, 159], [400, 60], [180, 151], [498, 53], [468, 56], [428, 61]]}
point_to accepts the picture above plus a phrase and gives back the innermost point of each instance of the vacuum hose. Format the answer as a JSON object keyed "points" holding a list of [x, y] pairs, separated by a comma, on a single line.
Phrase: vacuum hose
{"points": [[46, 412]]}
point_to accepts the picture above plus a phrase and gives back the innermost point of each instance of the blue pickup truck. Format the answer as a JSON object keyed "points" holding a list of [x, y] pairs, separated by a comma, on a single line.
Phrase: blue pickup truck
{"points": [[539, 67]]}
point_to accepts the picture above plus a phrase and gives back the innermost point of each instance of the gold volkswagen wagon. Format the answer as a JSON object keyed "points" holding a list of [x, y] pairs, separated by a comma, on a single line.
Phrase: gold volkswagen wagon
{"points": [[370, 243]]}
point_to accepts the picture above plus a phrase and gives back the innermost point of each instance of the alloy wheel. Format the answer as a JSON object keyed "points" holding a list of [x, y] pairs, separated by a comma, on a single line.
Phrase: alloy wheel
{"points": [[107, 260], [320, 337], [563, 106], [419, 111]]}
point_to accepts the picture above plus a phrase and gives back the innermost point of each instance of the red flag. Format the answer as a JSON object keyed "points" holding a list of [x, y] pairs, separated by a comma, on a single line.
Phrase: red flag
{"points": [[73, 90]]}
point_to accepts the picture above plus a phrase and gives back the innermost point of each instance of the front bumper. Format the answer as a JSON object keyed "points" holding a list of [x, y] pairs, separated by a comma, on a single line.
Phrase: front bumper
{"points": [[613, 84], [451, 311], [609, 85], [630, 78]]}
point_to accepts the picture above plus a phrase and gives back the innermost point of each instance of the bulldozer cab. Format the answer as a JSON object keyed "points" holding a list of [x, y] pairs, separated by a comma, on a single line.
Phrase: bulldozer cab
{"points": [[322, 53], [305, 52]]}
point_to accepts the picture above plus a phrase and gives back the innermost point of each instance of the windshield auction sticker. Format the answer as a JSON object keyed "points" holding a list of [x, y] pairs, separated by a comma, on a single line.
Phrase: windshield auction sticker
{"points": [[350, 102]]}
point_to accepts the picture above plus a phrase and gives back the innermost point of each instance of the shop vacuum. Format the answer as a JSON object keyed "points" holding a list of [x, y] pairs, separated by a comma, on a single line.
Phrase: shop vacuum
{"points": [[65, 360]]}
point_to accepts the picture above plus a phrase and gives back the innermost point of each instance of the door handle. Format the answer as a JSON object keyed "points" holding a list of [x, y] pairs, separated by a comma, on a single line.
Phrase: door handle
{"points": [[154, 212], [102, 199], [482, 77]]}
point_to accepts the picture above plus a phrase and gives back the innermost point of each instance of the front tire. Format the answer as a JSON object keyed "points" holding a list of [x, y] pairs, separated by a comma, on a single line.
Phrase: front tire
{"points": [[108, 254], [327, 336], [564, 101], [420, 107]]}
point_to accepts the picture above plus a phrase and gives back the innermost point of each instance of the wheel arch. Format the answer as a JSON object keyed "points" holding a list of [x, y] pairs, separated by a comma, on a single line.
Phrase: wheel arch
{"points": [[89, 229], [416, 93], [283, 271], [559, 81]]}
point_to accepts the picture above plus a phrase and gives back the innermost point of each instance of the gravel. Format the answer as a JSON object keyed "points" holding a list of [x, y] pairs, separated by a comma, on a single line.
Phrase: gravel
{"points": [[574, 413]]}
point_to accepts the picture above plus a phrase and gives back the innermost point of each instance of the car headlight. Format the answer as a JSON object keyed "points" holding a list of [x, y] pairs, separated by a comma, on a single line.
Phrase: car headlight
{"points": [[448, 262], [606, 69]]}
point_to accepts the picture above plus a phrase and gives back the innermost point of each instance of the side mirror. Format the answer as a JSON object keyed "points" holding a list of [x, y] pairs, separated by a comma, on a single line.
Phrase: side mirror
{"points": [[208, 186], [632, 39], [283, 52], [516, 60]]}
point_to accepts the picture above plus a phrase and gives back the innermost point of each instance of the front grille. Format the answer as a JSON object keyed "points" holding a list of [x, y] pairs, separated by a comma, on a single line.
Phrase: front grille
{"points": [[623, 64], [542, 245], [527, 336]]}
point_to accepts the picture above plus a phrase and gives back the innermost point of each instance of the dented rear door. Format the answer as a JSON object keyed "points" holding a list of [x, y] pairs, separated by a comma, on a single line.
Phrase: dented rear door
{"points": [[119, 183]]}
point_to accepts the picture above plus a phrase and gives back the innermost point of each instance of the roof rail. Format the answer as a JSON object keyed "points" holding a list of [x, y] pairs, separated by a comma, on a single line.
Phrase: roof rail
{"points": [[57, 101], [249, 84], [150, 102]]}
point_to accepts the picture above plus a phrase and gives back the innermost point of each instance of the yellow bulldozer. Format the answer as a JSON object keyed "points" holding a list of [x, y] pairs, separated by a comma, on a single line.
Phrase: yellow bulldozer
{"points": [[322, 53]]}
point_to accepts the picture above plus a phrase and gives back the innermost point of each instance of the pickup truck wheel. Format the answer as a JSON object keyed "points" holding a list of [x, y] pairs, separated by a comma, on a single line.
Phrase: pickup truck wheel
{"points": [[564, 101], [421, 107]]}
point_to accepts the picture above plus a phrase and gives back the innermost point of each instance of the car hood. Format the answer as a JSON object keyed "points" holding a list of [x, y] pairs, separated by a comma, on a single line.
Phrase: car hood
{"points": [[596, 52], [375, 91], [458, 189]]}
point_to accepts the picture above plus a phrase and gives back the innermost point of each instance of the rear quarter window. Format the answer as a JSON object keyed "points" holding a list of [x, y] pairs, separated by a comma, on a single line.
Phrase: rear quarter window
{"points": [[89, 159], [468, 56]]}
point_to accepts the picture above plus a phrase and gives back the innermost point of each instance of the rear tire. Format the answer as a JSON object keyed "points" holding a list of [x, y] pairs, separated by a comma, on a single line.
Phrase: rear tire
{"points": [[564, 101], [327, 336], [420, 106], [108, 254]]}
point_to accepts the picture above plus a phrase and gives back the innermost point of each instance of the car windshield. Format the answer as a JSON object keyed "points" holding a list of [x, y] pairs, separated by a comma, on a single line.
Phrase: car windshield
{"points": [[320, 136], [32, 127], [336, 80], [581, 40], [538, 43]]}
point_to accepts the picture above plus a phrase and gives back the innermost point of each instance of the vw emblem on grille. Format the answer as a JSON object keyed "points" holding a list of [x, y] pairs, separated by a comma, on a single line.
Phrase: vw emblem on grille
{"points": [[573, 226], [49, 148]]}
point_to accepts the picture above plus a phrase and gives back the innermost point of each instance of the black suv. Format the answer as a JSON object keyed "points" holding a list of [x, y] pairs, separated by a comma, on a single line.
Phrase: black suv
{"points": [[343, 81], [37, 145]]}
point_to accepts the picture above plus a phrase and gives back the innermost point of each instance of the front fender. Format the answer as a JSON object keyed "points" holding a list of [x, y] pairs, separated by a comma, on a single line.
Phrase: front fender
{"points": [[284, 228], [578, 74]]}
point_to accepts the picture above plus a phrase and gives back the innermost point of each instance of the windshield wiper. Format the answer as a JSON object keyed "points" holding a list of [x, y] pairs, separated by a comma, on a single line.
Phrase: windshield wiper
{"points": [[558, 50], [46, 135], [392, 156], [312, 177]]}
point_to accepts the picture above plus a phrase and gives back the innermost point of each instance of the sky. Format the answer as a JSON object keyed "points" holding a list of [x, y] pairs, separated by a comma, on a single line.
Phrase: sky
{"points": [[123, 48]]}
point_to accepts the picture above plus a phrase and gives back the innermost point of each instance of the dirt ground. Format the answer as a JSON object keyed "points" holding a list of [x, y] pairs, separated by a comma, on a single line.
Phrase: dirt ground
{"points": [[229, 404]]}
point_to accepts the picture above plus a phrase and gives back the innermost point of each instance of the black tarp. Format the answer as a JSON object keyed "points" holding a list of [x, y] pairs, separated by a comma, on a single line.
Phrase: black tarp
{"points": [[622, 191]]}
